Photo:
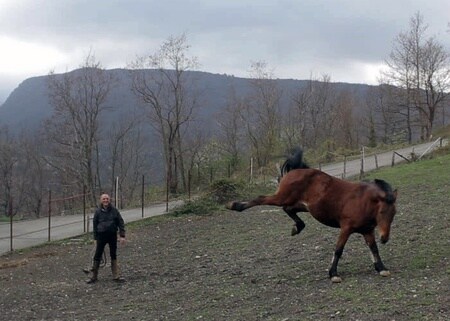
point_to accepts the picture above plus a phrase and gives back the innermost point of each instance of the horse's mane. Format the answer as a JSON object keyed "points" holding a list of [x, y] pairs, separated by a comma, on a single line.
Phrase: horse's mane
{"points": [[294, 161], [385, 187]]}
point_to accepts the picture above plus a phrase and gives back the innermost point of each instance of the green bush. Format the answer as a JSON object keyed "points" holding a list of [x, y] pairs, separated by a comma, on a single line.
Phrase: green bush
{"points": [[199, 206], [219, 193], [224, 190]]}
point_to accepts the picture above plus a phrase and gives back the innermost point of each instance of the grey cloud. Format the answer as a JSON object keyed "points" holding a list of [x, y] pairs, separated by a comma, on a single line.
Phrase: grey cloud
{"points": [[227, 35]]}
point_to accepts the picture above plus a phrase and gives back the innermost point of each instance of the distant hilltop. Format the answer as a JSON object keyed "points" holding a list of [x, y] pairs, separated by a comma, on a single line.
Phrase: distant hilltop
{"points": [[28, 105]]}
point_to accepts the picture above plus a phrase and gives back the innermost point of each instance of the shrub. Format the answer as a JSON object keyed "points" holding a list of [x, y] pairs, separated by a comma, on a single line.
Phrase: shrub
{"points": [[223, 191], [219, 193]]}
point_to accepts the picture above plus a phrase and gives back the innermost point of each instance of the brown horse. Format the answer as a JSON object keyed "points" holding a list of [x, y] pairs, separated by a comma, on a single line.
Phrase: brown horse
{"points": [[354, 207]]}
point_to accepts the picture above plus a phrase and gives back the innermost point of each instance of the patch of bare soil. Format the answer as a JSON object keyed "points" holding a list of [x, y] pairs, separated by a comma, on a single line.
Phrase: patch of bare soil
{"points": [[234, 266]]}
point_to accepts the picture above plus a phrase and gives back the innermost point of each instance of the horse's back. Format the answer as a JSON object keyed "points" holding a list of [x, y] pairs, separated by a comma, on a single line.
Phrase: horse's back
{"points": [[329, 199], [306, 184], [308, 178]]}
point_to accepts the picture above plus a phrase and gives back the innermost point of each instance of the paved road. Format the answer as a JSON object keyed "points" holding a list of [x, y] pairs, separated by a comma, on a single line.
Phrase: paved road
{"points": [[34, 232], [353, 167]]}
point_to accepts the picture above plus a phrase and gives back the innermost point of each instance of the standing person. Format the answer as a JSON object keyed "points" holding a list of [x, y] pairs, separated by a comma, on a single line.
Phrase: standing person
{"points": [[107, 221]]}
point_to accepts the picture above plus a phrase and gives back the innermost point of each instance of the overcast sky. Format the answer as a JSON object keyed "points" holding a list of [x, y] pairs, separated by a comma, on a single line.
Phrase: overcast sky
{"points": [[347, 40]]}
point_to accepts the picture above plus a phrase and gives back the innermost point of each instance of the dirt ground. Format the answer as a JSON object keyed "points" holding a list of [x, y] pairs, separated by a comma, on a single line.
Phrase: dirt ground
{"points": [[233, 266]]}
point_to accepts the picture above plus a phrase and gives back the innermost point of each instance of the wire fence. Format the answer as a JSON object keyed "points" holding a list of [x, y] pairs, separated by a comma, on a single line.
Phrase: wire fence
{"points": [[62, 213], [65, 207]]}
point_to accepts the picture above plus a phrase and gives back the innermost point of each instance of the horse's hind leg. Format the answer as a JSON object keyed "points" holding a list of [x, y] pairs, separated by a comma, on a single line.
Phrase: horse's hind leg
{"points": [[378, 264], [260, 200], [299, 224]]}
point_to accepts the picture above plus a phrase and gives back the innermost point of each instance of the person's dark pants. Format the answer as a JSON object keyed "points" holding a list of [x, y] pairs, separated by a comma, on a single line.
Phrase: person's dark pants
{"points": [[102, 240]]}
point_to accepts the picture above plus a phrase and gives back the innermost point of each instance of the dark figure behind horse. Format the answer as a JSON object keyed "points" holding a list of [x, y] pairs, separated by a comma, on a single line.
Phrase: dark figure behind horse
{"points": [[294, 161], [354, 207]]}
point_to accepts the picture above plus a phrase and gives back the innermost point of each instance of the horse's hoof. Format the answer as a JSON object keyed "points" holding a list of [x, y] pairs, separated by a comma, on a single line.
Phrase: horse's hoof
{"points": [[294, 231], [230, 206], [91, 281], [336, 279], [385, 273]]}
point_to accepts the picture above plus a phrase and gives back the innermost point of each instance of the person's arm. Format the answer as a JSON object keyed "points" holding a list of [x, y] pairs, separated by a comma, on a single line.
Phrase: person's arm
{"points": [[95, 225], [121, 226]]}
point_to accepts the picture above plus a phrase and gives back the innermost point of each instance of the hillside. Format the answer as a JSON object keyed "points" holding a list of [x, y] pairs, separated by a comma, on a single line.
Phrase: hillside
{"points": [[28, 105]]}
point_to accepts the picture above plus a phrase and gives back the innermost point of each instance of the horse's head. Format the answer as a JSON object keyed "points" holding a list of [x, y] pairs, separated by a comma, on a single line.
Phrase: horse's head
{"points": [[386, 210]]}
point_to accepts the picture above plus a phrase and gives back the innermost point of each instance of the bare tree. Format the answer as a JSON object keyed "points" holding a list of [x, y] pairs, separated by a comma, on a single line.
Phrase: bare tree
{"points": [[420, 66], [231, 128], [23, 173], [314, 107], [195, 144], [345, 132], [295, 123], [127, 157], [262, 114], [8, 159], [169, 95], [400, 73], [79, 99], [377, 118], [322, 111], [33, 175], [433, 88]]}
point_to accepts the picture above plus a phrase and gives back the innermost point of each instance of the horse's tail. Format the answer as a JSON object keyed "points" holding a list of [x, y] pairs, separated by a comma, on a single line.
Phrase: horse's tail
{"points": [[294, 161]]}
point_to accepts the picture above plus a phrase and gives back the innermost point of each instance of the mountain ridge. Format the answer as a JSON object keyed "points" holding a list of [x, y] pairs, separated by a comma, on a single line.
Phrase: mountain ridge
{"points": [[28, 104]]}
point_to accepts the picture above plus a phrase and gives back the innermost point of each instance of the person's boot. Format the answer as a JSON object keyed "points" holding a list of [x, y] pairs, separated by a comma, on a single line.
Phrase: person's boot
{"points": [[115, 271], [95, 268]]}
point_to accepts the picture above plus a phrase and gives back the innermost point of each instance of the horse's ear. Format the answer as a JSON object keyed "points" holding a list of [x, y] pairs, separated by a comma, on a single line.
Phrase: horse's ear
{"points": [[395, 193], [389, 198]]}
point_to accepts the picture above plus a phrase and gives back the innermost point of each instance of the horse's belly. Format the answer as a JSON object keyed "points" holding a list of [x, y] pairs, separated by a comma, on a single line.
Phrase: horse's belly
{"points": [[326, 220], [325, 213], [330, 223]]}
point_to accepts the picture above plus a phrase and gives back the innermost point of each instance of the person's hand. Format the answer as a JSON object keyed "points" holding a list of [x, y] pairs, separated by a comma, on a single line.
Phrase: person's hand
{"points": [[122, 241]]}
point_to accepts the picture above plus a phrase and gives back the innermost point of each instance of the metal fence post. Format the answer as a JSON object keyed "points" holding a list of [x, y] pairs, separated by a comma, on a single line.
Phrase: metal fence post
{"points": [[10, 212], [189, 184], [345, 167], [84, 208], [49, 212], [142, 195]]}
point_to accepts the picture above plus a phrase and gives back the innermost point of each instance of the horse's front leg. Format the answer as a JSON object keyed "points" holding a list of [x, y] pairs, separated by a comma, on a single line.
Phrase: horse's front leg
{"points": [[342, 240], [378, 264]]}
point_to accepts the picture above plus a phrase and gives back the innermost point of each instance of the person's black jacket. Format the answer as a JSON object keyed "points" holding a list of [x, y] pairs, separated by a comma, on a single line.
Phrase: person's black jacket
{"points": [[108, 221]]}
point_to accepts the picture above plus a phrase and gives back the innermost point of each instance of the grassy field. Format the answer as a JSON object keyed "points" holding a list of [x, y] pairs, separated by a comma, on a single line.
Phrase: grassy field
{"points": [[225, 265]]}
